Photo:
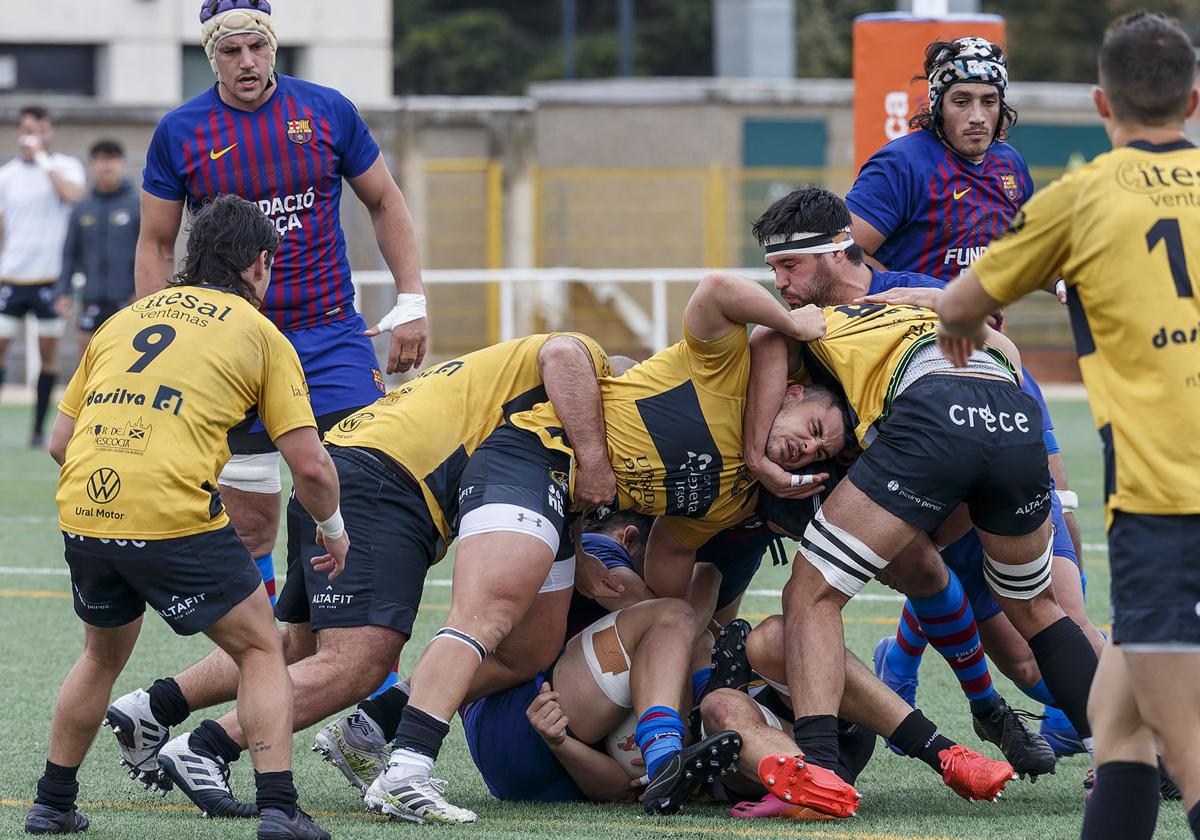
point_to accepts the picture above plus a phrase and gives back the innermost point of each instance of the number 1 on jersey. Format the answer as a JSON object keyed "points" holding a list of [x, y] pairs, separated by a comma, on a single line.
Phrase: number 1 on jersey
{"points": [[1167, 230], [150, 342]]}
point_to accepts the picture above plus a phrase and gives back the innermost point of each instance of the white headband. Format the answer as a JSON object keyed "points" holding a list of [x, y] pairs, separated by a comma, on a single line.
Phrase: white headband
{"points": [[808, 243]]}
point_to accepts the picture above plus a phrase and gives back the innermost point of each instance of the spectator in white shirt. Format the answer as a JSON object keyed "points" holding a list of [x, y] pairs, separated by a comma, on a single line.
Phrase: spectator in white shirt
{"points": [[37, 189]]}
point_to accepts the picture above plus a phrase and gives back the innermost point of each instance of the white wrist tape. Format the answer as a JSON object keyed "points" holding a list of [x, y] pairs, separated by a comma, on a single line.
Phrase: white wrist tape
{"points": [[333, 527], [1069, 499], [44, 161], [408, 308]]}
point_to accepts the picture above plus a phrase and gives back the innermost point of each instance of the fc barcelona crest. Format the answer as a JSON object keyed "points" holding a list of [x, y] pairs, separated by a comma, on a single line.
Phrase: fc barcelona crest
{"points": [[299, 131], [1009, 184]]}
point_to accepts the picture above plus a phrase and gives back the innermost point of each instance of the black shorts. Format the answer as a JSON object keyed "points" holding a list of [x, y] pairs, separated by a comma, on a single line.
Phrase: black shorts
{"points": [[951, 439], [96, 313], [737, 553], [1155, 562], [513, 469], [393, 542], [242, 441], [18, 300], [192, 581]]}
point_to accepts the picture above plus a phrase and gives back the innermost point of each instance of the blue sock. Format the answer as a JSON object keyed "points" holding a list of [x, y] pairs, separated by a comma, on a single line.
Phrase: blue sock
{"points": [[659, 736], [1040, 693], [1056, 720], [700, 683], [388, 682], [266, 568]]}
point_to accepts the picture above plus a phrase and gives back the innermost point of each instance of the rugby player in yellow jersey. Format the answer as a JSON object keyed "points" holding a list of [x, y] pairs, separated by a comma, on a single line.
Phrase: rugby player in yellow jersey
{"points": [[141, 436], [401, 464], [674, 429], [1124, 231], [934, 438]]}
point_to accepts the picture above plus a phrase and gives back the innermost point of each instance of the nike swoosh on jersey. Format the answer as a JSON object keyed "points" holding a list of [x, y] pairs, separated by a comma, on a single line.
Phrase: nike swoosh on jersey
{"points": [[957, 194], [213, 154]]}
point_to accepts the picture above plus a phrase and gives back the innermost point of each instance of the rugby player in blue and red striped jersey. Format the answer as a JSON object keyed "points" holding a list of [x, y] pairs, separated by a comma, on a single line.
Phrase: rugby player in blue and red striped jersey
{"points": [[285, 144]]}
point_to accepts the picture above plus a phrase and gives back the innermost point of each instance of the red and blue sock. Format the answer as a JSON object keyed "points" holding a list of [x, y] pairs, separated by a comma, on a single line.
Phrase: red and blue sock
{"points": [[659, 735], [904, 657], [947, 621], [266, 568]]}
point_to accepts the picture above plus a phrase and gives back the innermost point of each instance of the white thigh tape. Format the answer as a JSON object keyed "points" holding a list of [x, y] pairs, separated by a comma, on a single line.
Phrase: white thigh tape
{"points": [[9, 326], [607, 659], [1069, 499], [52, 327], [843, 559], [252, 473], [1023, 582]]}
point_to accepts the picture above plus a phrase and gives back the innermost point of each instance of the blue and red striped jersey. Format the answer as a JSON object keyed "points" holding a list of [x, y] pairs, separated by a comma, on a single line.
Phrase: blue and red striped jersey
{"points": [[289, 156], [937, 210]]}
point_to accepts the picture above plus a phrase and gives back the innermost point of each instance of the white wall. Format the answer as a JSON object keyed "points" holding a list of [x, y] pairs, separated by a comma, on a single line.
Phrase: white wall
{"points": [[347, 45]]}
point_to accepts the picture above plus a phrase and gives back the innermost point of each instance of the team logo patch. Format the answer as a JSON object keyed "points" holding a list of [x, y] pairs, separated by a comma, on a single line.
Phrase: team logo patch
{"points": [[299, 131], [378, 376], [1008, 183], [104, 485]]}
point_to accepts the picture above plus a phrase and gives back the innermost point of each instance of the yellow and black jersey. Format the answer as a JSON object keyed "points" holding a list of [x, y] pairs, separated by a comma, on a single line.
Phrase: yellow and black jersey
{"points": [[865, 350], [1124, 232], [154, 397], [674, 426], [432, 424]]}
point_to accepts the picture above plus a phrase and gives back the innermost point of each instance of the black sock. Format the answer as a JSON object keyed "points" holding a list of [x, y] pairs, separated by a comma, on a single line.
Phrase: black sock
{"points": [[275, 790], [209, 737], [421, 732], [1123, 804], [816, 736], [856, 745], [386, 709], [3, 377], [167, 702], [1194, 820], [45, 384], [1068, 664], [917, 737], [57, 787]]}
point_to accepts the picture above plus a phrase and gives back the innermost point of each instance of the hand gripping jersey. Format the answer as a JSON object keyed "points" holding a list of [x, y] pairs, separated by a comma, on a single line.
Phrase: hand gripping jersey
{"points": [[864, 353], [937, 210], [155, 394], [1124, 231], [674, 426], [432, 424], [289, 156]]}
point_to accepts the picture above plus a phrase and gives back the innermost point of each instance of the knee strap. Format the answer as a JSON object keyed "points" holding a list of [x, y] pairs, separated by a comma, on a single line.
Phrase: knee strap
{"points": [[463, 638], [1022, 583], [843, 559]]}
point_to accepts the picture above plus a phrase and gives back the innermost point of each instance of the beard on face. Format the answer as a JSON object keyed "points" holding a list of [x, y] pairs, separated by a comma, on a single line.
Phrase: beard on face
{"points": [[823, 285]]}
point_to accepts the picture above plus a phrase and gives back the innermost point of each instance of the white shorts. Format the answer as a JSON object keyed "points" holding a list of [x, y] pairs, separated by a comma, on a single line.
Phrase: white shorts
{"points": [[497, 516], [607, 659], [257, 473]]}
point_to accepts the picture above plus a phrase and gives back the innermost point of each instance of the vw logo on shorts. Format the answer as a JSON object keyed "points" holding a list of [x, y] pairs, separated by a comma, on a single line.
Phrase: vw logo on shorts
{"points": [[354, 421], [893, 486], [103, 485]]}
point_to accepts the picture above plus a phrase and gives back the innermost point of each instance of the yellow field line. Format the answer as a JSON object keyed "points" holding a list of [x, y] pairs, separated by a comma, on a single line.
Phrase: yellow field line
{"points": [[829, 833], [32, 593]]}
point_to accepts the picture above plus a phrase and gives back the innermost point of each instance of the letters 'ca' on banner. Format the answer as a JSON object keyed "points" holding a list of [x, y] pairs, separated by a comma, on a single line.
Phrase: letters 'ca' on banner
{"points": [[889, 49]]}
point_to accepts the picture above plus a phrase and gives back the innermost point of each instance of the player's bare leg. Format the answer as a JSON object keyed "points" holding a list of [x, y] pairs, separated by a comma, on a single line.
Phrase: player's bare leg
{"points": [[529, 647], [814, 638], [1065, 656], [77, 714], [1125, 755], [255, 517]]}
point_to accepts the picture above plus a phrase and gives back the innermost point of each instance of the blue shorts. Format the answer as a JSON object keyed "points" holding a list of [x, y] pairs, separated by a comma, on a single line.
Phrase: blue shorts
{"points": [[965, 559], [1029, 386], [342, 373], [514, 761], [737, 553]]}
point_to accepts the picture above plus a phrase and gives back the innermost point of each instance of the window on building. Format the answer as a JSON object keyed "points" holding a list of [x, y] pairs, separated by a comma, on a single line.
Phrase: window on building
{"points": [[48, 68], [198, 74]]}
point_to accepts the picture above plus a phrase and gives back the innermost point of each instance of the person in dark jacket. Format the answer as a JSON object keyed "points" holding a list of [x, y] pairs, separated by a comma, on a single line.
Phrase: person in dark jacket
{"points": [[101, 239]]}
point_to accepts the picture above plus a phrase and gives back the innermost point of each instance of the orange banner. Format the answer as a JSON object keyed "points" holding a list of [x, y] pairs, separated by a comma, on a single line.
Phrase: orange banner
{"points": [[889, 49]]}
